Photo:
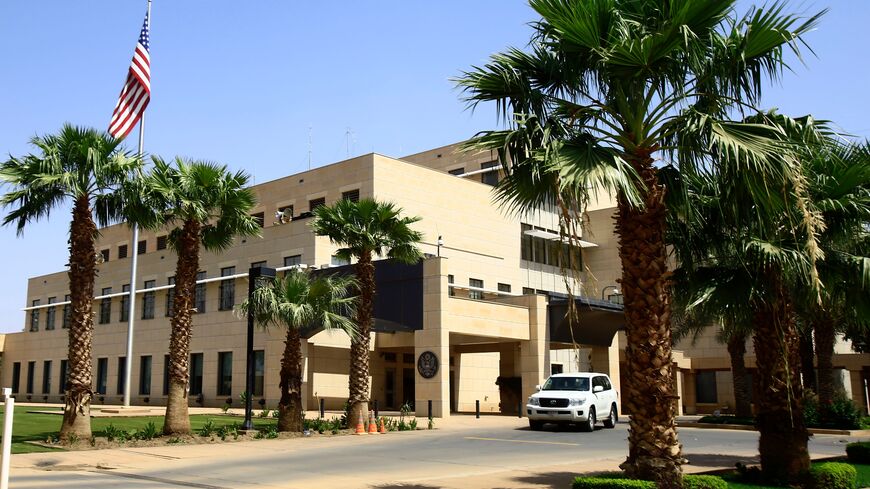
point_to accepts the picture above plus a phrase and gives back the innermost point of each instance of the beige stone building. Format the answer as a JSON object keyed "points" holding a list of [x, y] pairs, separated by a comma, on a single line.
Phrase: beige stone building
{"points": [[488, 302]]}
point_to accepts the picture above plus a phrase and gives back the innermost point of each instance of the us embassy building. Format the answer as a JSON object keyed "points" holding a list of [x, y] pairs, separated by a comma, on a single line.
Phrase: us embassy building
{"points": [[485, 309]]}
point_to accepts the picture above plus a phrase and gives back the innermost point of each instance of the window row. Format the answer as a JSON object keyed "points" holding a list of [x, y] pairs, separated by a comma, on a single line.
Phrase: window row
{"points": [[224, 375], [551, 252], [287, 213], [141, 249]]}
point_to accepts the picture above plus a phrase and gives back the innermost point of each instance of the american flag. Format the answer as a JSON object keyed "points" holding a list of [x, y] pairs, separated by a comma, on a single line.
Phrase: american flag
{"points": [[137, 91]]}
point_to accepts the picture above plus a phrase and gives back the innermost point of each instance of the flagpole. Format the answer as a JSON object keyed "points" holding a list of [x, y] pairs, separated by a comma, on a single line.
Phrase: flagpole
{"points": [[131, 317]]}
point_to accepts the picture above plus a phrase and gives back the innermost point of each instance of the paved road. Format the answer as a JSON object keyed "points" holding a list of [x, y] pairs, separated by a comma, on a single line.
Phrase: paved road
{"points": [[494, 452]]}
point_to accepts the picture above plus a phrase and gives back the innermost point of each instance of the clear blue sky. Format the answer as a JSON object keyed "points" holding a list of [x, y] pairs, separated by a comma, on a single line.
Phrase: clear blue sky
{"points": [[242, 84]]}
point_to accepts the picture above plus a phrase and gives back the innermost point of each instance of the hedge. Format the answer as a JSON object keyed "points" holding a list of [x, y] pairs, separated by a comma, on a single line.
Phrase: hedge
{"points": [[859, 452], [704, 482], [615, 482], [833, 475]]}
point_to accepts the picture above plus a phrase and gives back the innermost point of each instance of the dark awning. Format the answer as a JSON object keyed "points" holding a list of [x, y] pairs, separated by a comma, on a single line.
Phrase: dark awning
{"points": [[598, 323]]}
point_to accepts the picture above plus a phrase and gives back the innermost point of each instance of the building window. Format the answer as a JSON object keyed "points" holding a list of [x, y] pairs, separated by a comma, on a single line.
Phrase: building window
{"points": [[170, 297], [450, 290], [122, 251], [351, 195], [122, 367], [705, 387], [103, 375], [196, 374], [225, 373], [504, 288], [475, 294], [490, 177], [548, 251], [456, 171], [148, 300], [142, 247], [31, 368], [291, 261], [125, 303], [259, 371], [145, 375], [165, 375], [46, 377], [199, 293], [556, 368], [16, 377], [34, 316], [64, 321], [50, 314], [106, 306], [105, 255], [259, 264], [337, 261], [260, 218], [227, 289], [161, 243], [63, 377], [528, 291], [315, 203]]}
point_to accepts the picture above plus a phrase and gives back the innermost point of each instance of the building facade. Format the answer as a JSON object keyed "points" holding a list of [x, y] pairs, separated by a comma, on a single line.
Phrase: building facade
{"points": [[484, 303]]}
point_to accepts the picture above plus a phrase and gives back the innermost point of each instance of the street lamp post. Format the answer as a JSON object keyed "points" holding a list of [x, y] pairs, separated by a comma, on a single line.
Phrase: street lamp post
{"points": [[256, 275]]}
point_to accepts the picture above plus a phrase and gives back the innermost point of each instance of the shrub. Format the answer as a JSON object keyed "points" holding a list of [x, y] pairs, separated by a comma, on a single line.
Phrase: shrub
{"points": [[148, 432], [207, 429], [115, 434], [264, 413], [859, 452], [833, 475], [269, 432], [610, 483], [704, 482], [843, 413]]}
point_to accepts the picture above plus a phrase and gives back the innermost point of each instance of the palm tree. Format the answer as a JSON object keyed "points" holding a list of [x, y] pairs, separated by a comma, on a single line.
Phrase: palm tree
{"points": [[838, 176], [85, 167], [300, 302], [205, 205], [363, 229], [606, 88]]}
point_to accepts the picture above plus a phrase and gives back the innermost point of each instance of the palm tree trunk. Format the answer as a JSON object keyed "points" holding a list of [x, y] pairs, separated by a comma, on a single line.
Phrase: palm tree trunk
{"points": [[737, 351], [177, 419], [358, 383], [82, 269], [654, 449], [808, 369], [290, 406], [825, 335], [780, 421]]}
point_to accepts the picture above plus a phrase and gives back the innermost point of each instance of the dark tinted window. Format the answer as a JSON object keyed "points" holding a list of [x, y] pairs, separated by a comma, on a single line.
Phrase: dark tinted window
{"points": [[566, 384]]}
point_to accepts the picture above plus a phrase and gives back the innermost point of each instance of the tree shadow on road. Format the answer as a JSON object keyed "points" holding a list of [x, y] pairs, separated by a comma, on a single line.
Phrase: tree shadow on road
{"points": [[554, 480], [717, 460], [404, 486]]}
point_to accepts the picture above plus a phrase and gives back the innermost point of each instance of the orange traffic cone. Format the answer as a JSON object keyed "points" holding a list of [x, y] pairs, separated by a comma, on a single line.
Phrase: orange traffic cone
{"points": [[360, 428], [373, 426], [382, 429]]}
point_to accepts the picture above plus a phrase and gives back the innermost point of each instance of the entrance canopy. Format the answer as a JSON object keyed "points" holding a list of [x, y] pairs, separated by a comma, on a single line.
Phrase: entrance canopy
{"points": [[597, 325]]}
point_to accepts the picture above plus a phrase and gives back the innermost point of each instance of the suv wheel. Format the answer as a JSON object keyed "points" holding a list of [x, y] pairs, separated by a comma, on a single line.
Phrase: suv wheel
{"points": [[536, 425], [589, 425], [612, 419]]}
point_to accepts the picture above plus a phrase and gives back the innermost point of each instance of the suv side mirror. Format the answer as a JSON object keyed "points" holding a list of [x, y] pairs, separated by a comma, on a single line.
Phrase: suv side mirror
{"points": [[597, 388], [538, 387]]}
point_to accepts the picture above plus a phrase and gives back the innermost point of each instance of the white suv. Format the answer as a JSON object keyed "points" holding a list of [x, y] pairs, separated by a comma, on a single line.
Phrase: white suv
{"points": [[580, 397]]}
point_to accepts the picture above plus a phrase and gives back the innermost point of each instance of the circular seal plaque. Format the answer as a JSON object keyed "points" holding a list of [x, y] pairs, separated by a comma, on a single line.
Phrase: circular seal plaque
{"points": [[427, 364]]}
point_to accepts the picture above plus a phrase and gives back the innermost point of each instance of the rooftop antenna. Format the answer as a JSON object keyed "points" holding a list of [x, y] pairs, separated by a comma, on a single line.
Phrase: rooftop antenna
{"points": [[309, 147], [347, 141]]}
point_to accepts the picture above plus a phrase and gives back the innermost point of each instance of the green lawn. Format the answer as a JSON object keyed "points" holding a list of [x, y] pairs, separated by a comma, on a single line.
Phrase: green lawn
{"points": [[31, 426], [863, 480]]}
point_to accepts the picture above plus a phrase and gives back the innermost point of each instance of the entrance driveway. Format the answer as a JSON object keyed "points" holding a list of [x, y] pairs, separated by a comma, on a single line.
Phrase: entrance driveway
{"points": [[463, 453]]}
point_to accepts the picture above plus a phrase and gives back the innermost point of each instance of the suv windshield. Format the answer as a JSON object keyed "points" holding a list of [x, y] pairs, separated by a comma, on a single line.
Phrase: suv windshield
{"points": [[566, 384]]}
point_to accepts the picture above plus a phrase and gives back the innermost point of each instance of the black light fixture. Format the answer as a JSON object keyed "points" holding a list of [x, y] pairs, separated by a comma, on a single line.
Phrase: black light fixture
{"points": [[439, 243], [257, 276]]}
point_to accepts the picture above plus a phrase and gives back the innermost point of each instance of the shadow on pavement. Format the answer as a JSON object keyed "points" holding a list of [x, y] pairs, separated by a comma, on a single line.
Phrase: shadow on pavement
{"points": [[717, 460], [405, 486], [555, 480]]}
